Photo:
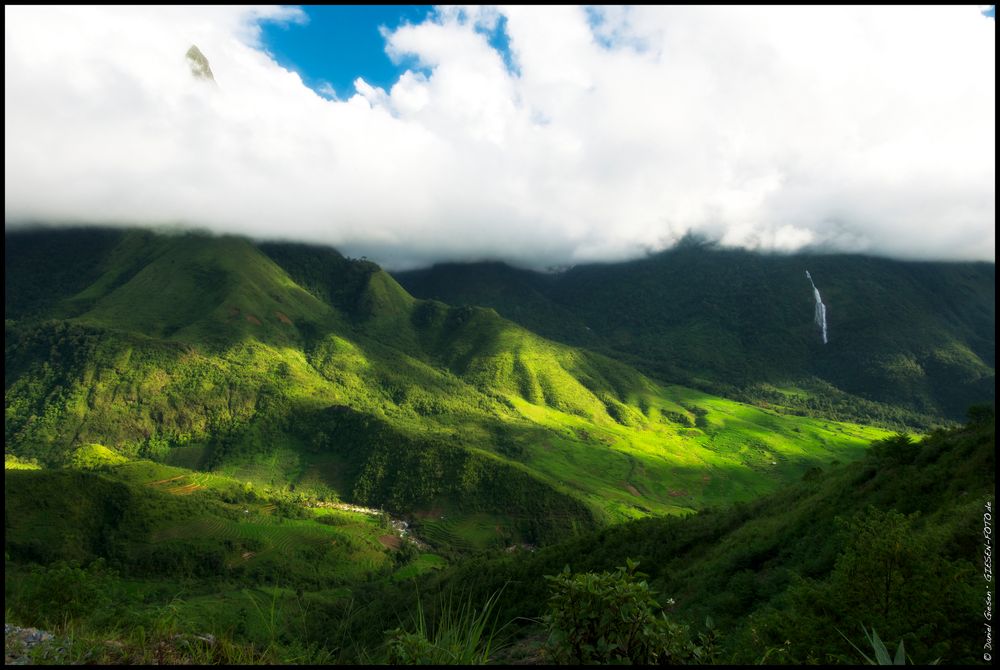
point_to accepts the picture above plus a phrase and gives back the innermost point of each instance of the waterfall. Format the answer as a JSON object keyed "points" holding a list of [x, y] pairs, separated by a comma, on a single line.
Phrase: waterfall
{"points": [[820, 317]]}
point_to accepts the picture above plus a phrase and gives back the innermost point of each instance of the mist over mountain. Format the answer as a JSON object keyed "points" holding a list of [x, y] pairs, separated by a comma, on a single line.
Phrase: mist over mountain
{"points": [[595, 134]]}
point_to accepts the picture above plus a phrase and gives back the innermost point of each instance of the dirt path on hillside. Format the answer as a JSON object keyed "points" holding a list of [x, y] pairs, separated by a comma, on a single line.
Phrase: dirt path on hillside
{"points": [[389, 542]]}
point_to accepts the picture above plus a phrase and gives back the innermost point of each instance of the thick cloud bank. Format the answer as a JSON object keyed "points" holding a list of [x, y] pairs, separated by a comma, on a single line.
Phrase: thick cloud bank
{"points": [[602, 134]]}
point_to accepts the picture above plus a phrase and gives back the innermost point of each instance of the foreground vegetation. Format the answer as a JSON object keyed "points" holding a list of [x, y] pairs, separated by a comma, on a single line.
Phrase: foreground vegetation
{"points": [[893, 542], [890, 543]]}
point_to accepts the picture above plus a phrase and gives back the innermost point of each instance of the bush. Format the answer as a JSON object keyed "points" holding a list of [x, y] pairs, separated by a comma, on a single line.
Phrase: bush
{"points": [[614, 618], [55, 595]]}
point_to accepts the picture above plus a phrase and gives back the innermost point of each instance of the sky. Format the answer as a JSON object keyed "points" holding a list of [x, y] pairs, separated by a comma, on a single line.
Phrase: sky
{"points": [[543, 136], [335, 45]]}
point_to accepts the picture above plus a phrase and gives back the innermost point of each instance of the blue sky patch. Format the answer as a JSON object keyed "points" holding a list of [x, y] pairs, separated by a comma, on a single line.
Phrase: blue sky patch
{"points": [[500, 40], [338, 44]]}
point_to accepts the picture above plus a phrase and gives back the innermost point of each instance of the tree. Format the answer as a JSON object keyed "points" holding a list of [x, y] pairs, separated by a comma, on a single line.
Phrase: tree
{"points": [[879, 562], [981, 415], [899, 449]]}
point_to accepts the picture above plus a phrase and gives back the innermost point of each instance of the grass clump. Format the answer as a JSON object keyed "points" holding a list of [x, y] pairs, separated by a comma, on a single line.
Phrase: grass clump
{"points": [[462, 635]]}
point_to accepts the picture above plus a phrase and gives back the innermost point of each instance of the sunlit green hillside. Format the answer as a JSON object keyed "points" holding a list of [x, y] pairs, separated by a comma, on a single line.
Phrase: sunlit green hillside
{"points": [[300, 368]]}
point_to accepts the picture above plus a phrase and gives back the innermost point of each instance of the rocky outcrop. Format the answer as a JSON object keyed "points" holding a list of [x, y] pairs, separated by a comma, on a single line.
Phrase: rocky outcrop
{"points": [[199, 64], [19, 645]]}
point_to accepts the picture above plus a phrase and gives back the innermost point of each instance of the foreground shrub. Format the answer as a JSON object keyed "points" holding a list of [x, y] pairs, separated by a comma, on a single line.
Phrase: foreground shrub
{"points": [[614, 618]]}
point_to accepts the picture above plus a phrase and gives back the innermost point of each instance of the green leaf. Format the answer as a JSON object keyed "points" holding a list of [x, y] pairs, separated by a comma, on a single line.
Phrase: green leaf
{"points": [[900, 655], [881, 653]]}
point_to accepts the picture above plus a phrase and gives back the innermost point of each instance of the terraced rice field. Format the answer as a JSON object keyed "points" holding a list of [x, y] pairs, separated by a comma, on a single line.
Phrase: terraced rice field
{"points": [[470, 533], [440, 534], [423, 563]]}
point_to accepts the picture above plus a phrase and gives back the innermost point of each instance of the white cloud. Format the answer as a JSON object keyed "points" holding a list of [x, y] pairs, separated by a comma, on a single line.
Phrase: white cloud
{"points": [[618, 130], [327, 90]]}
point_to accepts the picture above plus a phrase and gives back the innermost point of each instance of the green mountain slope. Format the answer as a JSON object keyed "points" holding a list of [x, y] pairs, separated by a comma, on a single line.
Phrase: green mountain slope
{"points": [[905, 338], [291, 366], [894, 542], [161, 521]]}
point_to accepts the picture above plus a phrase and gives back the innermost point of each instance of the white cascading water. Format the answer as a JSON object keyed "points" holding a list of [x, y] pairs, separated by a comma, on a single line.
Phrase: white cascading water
{"points": [[820, 308]]}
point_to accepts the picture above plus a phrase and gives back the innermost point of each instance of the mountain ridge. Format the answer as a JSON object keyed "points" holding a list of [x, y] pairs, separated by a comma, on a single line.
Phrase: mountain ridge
{"points": [[915, 335], [233, 353]]}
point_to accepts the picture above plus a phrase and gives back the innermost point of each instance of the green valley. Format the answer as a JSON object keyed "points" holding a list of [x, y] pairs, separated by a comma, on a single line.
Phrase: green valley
{"points": [[205, 351], [219, 434]]}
